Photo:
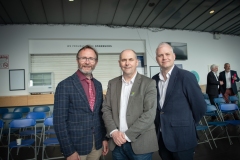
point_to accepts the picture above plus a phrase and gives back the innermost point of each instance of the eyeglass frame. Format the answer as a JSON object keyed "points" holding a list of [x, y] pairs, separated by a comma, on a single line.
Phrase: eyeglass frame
{"points": [[84, 59]]}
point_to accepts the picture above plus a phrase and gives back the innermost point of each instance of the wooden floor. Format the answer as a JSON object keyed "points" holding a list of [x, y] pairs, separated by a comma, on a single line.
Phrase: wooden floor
{"points": [[224, 150]]}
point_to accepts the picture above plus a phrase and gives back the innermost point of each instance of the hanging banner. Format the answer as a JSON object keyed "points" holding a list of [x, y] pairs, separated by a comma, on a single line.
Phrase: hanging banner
{"points": [[4, 61]]}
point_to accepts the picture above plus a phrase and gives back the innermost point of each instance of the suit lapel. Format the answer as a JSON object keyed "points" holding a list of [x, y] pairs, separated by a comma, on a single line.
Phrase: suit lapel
{"points": [[79, 87], [119, 90], [171, 84]]}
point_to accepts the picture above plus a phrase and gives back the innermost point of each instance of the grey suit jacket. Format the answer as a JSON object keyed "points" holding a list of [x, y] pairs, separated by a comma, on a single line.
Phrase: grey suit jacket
{"points": [[141, 111]]}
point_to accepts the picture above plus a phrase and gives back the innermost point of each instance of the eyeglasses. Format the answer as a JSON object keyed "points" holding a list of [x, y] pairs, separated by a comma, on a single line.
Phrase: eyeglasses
{"points": [[84, 59]]}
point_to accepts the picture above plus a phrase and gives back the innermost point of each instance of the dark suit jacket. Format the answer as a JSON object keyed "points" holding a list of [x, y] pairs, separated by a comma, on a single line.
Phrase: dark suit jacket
{"points": [[183, 108], [73, 120], [140, 115], [212, 84], [222, 77]]}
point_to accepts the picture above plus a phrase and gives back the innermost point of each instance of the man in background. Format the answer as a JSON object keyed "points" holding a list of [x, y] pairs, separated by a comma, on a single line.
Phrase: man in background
{"points": [[213, 84], [77, 111], [180, 106], [129, 110], [229, 88]]}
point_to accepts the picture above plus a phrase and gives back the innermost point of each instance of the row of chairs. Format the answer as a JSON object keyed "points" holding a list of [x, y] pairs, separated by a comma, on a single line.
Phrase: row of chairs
{"points": [[24, 110], [220, 109], [32, 119], [26, 124]]}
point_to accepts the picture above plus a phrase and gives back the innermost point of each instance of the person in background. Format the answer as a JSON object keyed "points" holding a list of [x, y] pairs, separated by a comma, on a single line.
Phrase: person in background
{"points": [[229, 88], [77, 111], [129, 110], [180, 107], [213, 83]]}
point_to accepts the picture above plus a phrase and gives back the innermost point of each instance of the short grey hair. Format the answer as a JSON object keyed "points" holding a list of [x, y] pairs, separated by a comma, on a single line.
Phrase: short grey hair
{"points": [[164, 44], [213, 66]]}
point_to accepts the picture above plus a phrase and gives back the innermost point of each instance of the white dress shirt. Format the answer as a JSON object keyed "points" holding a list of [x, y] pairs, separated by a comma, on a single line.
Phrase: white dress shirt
{"points": [[162, 86], [228, 79], [125, 93]]}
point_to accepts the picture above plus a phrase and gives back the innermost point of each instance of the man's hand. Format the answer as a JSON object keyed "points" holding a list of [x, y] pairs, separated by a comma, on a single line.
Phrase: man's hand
{"points": [[105, 148], [221, 83], [74, 156], [118, 138]]}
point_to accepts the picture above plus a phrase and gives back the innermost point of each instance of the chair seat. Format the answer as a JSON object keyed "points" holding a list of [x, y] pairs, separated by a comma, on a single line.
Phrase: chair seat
{"points": [[201, 127], [51, 141], [218, 123], [27, 142], [233, 122], [50, 131], [29, 132]]}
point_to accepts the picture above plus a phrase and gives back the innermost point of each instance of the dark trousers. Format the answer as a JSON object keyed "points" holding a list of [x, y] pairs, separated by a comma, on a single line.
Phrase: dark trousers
{"points": [[211, 97], [125, 152], [165, 154]]}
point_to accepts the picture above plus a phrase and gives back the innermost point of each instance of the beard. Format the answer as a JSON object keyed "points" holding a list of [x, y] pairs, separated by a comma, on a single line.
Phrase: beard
{"points": [[86, 73]]}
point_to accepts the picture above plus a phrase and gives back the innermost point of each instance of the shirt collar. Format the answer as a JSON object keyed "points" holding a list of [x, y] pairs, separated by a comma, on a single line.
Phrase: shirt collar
{"points": [[168, 74], [131, 81]]}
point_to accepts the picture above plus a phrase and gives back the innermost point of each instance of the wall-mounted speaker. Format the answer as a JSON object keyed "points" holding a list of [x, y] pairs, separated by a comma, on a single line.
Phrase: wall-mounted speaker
{"points": [[216, 36]]}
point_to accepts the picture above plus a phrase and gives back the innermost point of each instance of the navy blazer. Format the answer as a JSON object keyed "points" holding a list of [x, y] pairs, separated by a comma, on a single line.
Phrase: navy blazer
{"points": [[212, 84], [74, 122], [222, 77], [183, 108]]}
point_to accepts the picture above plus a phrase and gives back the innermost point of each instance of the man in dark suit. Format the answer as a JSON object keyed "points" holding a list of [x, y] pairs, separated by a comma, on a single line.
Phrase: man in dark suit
{"points": [[213, 83], [180, 107], [229, 78], [129, 110], [229, 88], [77, 111]]}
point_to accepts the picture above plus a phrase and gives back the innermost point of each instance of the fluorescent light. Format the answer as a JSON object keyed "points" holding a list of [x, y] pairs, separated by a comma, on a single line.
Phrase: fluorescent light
{"points": [[212, 11], [71, 0]]}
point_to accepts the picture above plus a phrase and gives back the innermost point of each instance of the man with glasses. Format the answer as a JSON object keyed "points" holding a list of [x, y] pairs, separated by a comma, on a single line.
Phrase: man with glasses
{"points": [[77, 111]]}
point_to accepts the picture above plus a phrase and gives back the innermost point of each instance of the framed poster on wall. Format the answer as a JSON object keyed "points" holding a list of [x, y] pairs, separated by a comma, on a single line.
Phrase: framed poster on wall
{"points": [[16, 79]]}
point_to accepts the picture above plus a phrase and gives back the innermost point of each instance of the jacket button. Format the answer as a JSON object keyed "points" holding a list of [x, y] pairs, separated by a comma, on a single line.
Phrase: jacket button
{"points": [[161, 112]]}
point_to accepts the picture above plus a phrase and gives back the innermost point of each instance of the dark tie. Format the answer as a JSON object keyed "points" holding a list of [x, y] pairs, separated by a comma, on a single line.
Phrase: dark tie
{"points": [[91, 99]]}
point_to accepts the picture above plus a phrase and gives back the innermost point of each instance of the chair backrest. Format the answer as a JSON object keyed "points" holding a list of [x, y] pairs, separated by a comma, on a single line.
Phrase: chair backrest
{"points": [[21, 123], [12, 115], [205, 96], [36, 115], [22, 109], [3, 110], [41, 109], [211, 108], [228, 107], [1, 128], [48, 121], [1, 123], [233, 99], [207, 101], [219, 100]]}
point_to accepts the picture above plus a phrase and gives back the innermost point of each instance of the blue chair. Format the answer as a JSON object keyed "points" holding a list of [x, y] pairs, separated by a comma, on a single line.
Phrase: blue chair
{"points": [[23, 110], [203, 128], [9, 116], [12, 115], [215, 124], [3, 111], [45, 109], [18, 124], [1, 128], [47, 141], [39, 118], [205, 96], [233, 99]]}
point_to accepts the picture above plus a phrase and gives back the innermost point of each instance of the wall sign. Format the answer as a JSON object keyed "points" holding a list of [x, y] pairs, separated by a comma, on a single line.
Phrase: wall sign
{"points": [[4, 61]]}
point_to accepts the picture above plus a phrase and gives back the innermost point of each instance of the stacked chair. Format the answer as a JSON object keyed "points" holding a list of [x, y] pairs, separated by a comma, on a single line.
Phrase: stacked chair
{"points": [[26, 142]]}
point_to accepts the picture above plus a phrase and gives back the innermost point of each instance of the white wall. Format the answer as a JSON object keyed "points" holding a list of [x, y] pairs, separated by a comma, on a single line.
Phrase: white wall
{"points": [[203, 50]]}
